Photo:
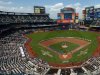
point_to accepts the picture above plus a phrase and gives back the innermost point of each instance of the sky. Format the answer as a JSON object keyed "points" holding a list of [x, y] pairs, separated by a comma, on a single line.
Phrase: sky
{"points": [[52, 6]]}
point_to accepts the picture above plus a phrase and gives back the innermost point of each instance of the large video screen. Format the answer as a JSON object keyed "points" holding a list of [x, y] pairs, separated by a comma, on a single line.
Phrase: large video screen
{"points": [[97, 15], [39, 10], [68, 16], [90, 13]]}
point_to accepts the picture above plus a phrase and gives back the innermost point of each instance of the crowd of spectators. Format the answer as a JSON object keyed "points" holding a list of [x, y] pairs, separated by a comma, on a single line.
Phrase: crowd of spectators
{"points": [[23, 18], [12, 62]]}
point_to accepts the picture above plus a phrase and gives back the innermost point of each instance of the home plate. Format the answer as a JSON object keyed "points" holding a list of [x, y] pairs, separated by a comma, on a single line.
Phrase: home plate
{"points": [[66, 56]]}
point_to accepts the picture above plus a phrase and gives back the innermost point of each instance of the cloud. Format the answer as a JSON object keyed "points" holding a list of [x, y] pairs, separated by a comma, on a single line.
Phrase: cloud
{"points": [[54, 9], [17, 9], [97, 6], [5, 2], [77, 4], [7, 5], [70, 5], [57, 6]]}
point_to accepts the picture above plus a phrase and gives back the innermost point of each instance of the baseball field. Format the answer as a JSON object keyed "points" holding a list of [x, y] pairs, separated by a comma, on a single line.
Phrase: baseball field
{"points": [[62, 47]]}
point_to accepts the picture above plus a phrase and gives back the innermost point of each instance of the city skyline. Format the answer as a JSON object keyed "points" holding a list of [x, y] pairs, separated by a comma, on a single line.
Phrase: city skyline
{"points": [[52, 6]]}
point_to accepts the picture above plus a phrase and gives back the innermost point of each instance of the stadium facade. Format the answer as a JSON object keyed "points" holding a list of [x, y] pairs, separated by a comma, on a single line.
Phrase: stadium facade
{"points": [[67, 15]]}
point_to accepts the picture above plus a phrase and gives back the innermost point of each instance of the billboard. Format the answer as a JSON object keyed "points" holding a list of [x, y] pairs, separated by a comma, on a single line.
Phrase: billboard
{"points": [[67, 10], [64, 21], [76, 21], [58, 21], [62, 16], [90, 13], [73, 16], [97, 15], [68, 16], [76, 15], [59, 16], [39, 10], [84, 11]]}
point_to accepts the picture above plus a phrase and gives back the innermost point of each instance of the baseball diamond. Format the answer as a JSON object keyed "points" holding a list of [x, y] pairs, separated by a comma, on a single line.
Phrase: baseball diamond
{"points": [[51, 43]]}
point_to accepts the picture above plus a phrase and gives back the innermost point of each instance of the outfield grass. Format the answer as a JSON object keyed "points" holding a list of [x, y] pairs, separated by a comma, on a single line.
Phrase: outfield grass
{"points": [[37, 37], [58, 47]]}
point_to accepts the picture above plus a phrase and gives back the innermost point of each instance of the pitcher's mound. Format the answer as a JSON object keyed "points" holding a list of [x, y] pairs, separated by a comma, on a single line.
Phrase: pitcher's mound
{"points": [[64, 46]]}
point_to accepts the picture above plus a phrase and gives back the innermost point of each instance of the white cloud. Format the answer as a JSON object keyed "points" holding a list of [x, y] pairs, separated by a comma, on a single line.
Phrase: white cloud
{"points": [[97, 6], [5, 2], [70, 5], [17, 9], [54, 9], [7, 5], [57, 6], [77, 4]]}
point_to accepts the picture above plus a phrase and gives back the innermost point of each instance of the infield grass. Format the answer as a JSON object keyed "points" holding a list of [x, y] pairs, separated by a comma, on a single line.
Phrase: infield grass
{"points": [[58, 47]]}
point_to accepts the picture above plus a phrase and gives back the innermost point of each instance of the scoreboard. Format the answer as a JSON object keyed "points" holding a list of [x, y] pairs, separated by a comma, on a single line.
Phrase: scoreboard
{"points": [[39, 10], [97, 13], [68, 16], [90, 13]]}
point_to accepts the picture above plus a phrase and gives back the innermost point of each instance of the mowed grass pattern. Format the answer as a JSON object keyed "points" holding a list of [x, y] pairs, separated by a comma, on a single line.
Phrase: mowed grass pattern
{"points": [[37, 37]]}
